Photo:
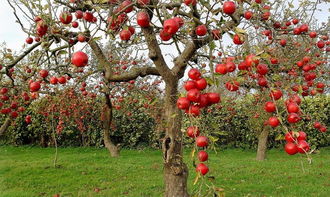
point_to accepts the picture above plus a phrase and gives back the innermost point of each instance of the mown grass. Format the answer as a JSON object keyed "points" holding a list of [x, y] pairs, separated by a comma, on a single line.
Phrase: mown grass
{"points": [[28, 171]]}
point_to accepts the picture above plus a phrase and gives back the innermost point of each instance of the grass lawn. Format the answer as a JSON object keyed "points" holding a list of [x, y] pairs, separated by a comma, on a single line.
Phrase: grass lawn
{"points": [[28, 171]]}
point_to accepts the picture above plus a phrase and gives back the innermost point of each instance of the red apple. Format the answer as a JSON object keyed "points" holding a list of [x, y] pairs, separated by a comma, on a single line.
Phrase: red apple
{"points": [[201, 30], [202, 168], [270, 107], [183, 103], [273, 121], [194, 74], [202, 156], [143, 19], [79, 59], [66, 17], [202, 141], [229, 7], [34, 86], [193, 131], [291, 148]]}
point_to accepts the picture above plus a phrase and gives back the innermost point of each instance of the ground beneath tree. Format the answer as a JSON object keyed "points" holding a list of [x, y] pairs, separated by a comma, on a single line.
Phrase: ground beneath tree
{"points": [[28, 171]]}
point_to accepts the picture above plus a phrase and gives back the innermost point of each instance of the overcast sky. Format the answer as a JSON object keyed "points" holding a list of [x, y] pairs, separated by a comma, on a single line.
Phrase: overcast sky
{"points": [[11, 33]]}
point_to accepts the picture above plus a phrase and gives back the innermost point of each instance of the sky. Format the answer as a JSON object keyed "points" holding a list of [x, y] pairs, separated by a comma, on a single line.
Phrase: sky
{"points": [[11, 33]]}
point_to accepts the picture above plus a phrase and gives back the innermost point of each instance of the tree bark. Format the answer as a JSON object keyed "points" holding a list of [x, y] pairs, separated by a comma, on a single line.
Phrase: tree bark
{"points": [[5, 126], [262, 144], [159, 128], [112, 148], [175, 170], [43, 140]]}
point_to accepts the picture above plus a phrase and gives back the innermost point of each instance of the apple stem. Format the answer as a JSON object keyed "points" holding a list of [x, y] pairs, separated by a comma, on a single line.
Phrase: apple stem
{"points": [[302, 166]]}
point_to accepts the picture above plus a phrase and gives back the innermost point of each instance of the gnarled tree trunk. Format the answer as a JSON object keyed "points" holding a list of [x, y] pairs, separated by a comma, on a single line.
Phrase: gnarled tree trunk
{"points": [[159, 128], [5, 126], [175, 171], [262, 143], [112, 148]]}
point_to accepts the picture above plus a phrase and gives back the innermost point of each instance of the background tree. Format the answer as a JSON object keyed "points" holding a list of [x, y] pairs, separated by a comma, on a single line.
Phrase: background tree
{"points": [[267, 69], [15, 84]]}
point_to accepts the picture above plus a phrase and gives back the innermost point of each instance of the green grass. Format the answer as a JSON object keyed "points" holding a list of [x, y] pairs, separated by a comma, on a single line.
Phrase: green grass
{"points": [[28, 171]]}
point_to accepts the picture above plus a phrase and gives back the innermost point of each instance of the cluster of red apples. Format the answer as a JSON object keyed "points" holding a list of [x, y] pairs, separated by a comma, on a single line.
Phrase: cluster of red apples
{"points": [[296, 142], [118, 23], [79, 59], [170, 26], [192, 103], [11, 104], [65, 18], [195, 100]]}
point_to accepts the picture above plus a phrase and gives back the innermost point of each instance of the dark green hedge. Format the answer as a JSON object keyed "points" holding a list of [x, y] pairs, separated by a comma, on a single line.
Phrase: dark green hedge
{"points": [[235, 125], [130, 131], [229, 126]]}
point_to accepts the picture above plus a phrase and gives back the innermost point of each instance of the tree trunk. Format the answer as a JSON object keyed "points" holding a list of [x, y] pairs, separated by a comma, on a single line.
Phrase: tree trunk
{"points": [[159, 128], [175, 171], [5, 126], [262, 143], [112, 148], [43, 141]]}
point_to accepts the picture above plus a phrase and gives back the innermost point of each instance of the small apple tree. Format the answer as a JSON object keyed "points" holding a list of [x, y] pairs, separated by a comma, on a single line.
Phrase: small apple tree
{"points": [[266, 70]]}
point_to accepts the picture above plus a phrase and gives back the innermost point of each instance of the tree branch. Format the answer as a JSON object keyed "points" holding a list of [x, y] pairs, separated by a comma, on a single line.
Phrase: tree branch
{"points": [[131, 75], [155, 53], [25, 53], [135, 73], [101, 58], [181, 61]]}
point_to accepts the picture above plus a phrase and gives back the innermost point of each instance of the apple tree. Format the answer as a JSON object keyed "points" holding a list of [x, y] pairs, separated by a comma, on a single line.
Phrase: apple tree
{"points": [[267, 71], [174, 35], [17, 86]]}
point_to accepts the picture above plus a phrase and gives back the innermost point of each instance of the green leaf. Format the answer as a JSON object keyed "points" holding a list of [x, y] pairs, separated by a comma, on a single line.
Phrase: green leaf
{"points": [[173, 115], [193, 153], [240, 31], [212, 45], [265, 56], [209, 81], [279, 137], [197, 178], [291, 5], [213, 139], [96, 38], [62, 52]]}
